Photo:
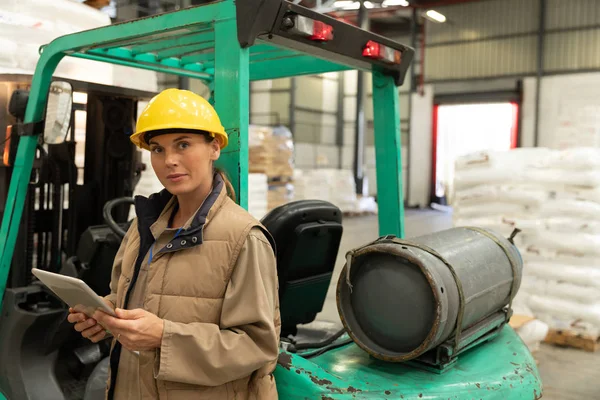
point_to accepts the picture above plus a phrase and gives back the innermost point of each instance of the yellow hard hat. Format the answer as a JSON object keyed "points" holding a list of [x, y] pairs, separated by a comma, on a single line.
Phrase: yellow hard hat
{"points": [[174, 109]]}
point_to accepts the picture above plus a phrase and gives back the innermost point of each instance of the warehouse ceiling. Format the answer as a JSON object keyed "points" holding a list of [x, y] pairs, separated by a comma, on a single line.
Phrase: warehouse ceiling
{"points": [[387, 17], [391, 18]]}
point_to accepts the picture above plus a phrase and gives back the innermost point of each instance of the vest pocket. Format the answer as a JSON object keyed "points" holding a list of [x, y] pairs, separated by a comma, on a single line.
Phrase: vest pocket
{"points": [[185, 391]]}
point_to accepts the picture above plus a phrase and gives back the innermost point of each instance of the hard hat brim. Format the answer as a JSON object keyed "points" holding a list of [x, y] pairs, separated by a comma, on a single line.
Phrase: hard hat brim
{"points": [[142, 139]]}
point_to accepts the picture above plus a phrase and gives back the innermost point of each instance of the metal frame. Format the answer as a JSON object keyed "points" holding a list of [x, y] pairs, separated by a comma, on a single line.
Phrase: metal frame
{"points": [[189, 43]]}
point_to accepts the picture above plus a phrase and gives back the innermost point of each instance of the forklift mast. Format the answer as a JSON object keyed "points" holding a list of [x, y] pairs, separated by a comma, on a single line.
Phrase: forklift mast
{"points": [[64, 199]]}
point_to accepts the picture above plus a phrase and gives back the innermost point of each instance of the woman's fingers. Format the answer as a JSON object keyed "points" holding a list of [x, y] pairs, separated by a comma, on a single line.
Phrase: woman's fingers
{"points": [[76, 317], [82, 326], [88, 327], [90, 332], [98, 336]]}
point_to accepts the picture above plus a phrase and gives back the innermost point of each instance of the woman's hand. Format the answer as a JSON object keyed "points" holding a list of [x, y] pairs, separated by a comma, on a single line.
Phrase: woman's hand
{"points": [[89, 327], [137, 330]]}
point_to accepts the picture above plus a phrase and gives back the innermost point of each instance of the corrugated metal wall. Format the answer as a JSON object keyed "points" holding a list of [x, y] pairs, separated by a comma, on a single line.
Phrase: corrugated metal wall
{"points": [[482, 39], [497, 38], [572, 37]]}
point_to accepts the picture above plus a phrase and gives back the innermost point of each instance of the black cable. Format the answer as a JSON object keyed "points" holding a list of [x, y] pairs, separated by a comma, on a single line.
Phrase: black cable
{"points": [[327, 348], [317, 345]]}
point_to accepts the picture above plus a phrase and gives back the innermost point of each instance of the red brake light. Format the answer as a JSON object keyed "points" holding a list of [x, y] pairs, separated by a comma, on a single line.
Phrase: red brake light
{"points": [[378, 51], [310, 28], [322, 32], [371, 50]]}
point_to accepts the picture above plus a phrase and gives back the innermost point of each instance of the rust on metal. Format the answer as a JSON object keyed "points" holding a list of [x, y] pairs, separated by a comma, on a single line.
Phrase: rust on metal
{"points": [[285, 360], [388, 392], [536, 396], [320, 382], [324, 397], [478, 385], [353, 390]]}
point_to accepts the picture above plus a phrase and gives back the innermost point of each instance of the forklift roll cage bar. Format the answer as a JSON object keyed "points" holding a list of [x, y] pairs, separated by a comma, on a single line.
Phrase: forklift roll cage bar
{"points": [[246, 40]]}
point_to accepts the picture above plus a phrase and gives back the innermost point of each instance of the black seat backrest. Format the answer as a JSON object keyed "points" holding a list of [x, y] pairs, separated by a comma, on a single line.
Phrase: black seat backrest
{"points": [[307, 234]]}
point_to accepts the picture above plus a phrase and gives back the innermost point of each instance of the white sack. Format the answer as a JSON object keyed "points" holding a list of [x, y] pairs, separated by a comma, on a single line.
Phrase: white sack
{"points": [[574, 244], [574, 274], [566, 309], [564, 290], [520, 194]]}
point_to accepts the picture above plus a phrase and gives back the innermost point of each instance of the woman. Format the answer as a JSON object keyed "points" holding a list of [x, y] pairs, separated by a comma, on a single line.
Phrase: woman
{"points": [[194, 284]]}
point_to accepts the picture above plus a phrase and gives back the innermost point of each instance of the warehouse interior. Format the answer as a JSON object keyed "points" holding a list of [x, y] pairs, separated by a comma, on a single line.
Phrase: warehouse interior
{"points": [[498, 129]]}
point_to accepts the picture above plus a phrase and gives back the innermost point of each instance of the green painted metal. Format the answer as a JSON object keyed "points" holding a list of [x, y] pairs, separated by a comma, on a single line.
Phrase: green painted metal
{"points": [[189, 49], [207, 55], [204, 36], [500, 369], [232, 99], [148, 66], [386, 119], [292, 66], [263, 48]]}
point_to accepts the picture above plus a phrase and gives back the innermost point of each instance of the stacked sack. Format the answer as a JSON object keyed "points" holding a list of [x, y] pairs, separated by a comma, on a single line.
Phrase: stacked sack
{"points": [[336, 186], [257, 195], [271, 152], [553, 197], [333, 185]]}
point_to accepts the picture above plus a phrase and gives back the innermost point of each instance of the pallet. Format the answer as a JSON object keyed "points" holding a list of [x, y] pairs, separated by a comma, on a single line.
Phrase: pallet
{"points": [[97, 4], [577, 340], [352, 214]]}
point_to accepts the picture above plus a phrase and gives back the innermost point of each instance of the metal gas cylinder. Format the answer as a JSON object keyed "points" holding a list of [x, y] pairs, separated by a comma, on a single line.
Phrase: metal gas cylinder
{"points": [[399, 299]]}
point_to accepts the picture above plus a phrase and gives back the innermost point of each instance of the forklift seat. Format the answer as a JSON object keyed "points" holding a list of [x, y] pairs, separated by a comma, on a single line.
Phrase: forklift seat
{"points": [[307, 235]]}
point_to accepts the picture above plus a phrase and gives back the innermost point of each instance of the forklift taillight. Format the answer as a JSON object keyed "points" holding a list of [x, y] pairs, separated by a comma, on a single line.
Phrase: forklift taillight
{"points": [[313, 30], [380, 52], [6, 155]]}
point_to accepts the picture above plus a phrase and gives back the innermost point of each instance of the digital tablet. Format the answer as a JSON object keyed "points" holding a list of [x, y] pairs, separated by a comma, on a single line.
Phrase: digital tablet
{"points": [[75, 292]]}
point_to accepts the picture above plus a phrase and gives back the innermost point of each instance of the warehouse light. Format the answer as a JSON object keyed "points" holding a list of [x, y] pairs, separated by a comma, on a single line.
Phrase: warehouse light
{"points": [[80, 98], [343, 3], [389, 3], [436, 16], [347, 4], [368, 4]]}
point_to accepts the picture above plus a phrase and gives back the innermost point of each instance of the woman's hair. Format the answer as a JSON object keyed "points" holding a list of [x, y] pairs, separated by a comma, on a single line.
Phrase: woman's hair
{"points": [[227, 182], [228, 186]]}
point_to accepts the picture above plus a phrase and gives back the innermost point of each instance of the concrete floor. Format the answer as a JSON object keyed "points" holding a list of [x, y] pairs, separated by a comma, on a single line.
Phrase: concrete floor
{"points": [[567, 374]]}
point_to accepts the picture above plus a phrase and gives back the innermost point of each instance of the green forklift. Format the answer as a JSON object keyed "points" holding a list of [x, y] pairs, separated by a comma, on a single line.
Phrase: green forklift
{"points": [[437, 334]]}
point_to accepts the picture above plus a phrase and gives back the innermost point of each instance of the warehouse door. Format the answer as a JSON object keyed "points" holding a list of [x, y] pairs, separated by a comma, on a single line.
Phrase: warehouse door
{"points": [[460, 129]]}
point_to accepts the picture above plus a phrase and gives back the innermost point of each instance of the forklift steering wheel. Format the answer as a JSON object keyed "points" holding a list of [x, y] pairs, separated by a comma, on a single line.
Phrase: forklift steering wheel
{"points": [[108, 218]]}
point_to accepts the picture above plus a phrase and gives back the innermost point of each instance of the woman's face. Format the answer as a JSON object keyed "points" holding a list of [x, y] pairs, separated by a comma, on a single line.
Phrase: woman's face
{"points": [[183, 162]]}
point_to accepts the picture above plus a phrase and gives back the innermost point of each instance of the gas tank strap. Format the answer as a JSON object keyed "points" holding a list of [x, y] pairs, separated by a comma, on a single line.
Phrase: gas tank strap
{"points": [[511, 260]]}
